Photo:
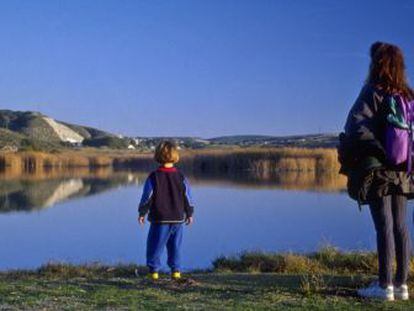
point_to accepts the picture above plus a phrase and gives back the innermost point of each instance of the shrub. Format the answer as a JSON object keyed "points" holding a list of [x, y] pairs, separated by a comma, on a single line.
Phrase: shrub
{"points": [[106, 141], [327, 260]]}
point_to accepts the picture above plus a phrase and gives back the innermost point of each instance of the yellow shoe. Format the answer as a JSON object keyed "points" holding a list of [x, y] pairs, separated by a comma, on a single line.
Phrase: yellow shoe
{"points": [[176, 275], [154, 276]]}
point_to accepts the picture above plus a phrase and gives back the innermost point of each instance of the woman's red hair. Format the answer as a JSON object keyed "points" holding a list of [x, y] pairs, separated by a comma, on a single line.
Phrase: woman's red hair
{"points": [[387, 70]]}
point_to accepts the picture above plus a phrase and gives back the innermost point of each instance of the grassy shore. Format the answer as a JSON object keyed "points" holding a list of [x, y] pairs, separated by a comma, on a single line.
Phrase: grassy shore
{"points": [[325, 286]]}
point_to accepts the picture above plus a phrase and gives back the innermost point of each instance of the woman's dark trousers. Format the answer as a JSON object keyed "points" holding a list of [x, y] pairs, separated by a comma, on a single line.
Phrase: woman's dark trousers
{"points": [[393, 239]]}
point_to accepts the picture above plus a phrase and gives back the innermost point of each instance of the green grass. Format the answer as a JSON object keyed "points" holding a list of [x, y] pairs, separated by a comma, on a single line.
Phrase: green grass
{"points": [[95, 287], [326, 260]]}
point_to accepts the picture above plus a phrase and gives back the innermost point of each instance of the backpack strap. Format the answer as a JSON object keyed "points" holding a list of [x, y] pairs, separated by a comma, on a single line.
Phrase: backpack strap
{"points": [[409, 116], [398, 114]]}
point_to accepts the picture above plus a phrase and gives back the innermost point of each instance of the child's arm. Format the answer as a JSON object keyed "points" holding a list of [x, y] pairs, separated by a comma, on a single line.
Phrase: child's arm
{"points": [[189, 206], [145, 202]]}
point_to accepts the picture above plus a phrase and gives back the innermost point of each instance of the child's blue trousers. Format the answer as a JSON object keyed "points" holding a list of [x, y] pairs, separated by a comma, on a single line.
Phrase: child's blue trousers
{"points": [[159, 237]]}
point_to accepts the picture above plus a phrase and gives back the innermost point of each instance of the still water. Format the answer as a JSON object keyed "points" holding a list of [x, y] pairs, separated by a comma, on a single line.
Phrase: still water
{"points": [[92, 218]]}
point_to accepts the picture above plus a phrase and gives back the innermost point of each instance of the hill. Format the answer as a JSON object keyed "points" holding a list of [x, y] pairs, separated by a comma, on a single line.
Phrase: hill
{"points": [[28, 130], [33, 130], [297, 141], [310, 140]]}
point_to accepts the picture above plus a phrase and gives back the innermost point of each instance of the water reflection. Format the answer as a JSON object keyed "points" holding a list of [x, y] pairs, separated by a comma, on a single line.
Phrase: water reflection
{"points": [[33, 192], [294, 180], [26, 192]]}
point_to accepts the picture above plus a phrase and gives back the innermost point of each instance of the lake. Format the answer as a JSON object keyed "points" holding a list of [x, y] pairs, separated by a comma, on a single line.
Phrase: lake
{"points": [[83, 217]]}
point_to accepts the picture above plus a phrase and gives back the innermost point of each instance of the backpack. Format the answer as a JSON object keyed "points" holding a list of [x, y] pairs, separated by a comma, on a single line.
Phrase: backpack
{"points": [[358, 181], [399, 132], [346, 156], [399, 143]]}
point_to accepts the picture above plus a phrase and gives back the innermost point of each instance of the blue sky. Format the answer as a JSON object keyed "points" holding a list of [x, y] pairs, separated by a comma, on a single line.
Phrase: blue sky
{"points": [[198, 67]]}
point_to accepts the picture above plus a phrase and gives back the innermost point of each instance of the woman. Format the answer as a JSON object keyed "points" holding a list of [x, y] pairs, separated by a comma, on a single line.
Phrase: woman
{"points": [[372, 178]]}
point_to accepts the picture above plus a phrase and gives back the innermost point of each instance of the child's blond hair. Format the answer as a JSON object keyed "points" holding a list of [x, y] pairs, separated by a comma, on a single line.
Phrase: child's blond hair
{"points": [[166, 152]]}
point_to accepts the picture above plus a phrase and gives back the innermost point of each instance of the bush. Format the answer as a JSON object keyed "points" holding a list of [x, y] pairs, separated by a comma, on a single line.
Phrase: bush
{"points": [[327, 260], [359, 262], [111, 142], [266, 262]]}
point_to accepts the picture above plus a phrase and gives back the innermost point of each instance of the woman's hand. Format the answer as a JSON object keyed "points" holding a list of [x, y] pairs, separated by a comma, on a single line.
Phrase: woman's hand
{"points": [[141, 220], [189, 221]]}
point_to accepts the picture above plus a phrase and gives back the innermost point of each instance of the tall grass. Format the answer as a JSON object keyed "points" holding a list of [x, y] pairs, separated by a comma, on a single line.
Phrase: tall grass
{"points": [[259, 160], [34, 162], [253, 159], [327, 260], [269, 160], [289, 168]]}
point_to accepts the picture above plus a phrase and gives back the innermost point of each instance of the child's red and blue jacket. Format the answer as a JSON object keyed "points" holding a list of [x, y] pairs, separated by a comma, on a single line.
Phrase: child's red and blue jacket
{"points": [[166, 197]]}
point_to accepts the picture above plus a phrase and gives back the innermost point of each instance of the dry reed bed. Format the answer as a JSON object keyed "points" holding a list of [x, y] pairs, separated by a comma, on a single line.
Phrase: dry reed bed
{"points": [[320, 165], [272, 160], [287, 168], [37, 161], [251, 159]]}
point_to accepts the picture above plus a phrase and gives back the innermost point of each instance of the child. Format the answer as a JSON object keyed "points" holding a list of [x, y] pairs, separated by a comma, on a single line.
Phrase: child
{"points": [[167, 200]]}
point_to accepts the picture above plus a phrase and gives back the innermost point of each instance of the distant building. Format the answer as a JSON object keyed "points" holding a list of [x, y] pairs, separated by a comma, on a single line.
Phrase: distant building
{"points": [[77, 145]]}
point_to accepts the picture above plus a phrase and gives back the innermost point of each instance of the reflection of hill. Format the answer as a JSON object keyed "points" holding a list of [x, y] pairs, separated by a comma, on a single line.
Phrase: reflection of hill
{"points": [[64, 190], [26, 195], [30, 194]]}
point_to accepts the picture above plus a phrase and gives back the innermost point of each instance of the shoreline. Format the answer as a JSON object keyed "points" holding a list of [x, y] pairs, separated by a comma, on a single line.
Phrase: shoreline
{"points": [[326, 260], [97, 287]]}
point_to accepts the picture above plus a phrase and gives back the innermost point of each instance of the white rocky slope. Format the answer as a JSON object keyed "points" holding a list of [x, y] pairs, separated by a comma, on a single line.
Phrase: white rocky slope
{"points": [[65, 133]]}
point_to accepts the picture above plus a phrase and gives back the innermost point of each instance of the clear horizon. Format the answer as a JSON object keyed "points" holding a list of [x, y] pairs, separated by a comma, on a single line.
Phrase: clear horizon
{"points": [[195, 68]]}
